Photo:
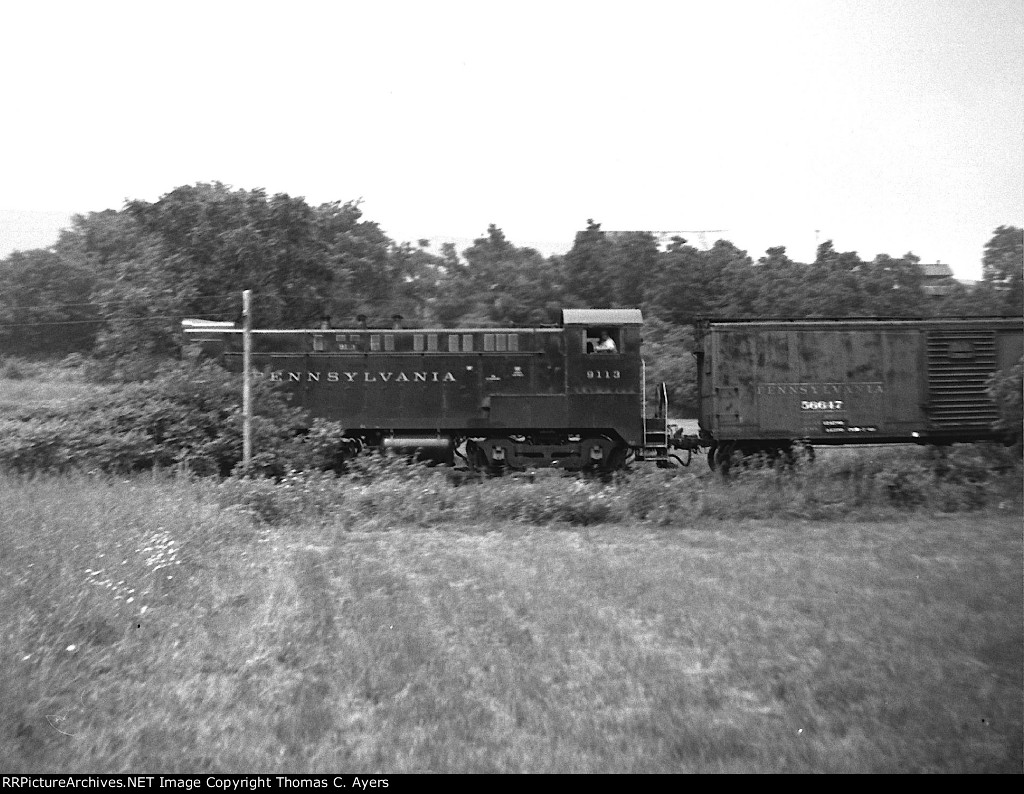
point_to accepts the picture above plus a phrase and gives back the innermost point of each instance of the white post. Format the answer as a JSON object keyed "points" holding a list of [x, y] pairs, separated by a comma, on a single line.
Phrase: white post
{"points": [[246, 378]]}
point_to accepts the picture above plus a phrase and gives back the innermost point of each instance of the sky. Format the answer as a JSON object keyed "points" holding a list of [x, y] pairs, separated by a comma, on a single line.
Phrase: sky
{"points": [[886, 126]]}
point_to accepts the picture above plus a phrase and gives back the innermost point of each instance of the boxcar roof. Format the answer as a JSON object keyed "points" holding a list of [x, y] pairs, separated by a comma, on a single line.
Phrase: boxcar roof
{"points": [[867, 322]]}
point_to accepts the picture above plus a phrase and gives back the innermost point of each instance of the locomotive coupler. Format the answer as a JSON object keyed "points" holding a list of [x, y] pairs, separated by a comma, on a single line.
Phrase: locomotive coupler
{"points": [[690, 442]]}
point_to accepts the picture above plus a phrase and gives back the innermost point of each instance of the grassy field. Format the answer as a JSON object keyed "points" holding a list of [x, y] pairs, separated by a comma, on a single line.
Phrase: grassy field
{"points": [[37, 385], [408, 625]]}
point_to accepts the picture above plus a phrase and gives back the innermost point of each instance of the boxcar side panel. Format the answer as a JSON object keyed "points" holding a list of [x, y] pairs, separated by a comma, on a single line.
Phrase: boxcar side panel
{"points": [[814, 383], [848, 381]]}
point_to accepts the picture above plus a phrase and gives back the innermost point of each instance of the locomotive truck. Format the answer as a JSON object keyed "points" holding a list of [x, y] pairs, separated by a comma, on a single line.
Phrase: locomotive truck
{"points": [[574, 395]]}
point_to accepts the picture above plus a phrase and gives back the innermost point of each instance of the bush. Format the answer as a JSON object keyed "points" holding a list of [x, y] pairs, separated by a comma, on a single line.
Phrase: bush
{"points": [[656, 495], [11, 370], [381, 492], [188, 416], [295, 498], [1006, 388]]}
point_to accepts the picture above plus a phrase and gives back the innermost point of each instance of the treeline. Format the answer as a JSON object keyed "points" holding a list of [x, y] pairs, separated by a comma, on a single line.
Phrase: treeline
{"points": [[116, 285]]}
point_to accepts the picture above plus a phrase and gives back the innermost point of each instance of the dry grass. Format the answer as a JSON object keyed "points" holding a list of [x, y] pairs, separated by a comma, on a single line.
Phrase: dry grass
{"points": [[398, 645]]}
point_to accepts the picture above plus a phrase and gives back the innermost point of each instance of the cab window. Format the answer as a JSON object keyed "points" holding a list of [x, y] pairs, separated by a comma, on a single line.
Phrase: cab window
{"points": [[600, 340]]}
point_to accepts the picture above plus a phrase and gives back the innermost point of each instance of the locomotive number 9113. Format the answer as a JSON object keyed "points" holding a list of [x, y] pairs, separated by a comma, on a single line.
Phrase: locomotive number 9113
{"points": [[603, 374]]}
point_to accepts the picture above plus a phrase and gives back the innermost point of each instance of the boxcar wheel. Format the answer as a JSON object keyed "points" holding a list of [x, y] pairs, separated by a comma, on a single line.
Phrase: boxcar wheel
{"points": [[723, 456]]}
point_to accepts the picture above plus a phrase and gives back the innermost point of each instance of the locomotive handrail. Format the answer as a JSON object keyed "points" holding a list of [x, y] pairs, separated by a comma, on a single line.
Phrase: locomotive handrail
{"points": [[643, 391], [200, 329]]}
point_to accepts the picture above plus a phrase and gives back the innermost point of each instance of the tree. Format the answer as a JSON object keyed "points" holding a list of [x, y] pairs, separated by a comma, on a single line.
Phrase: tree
{"points": [[891, 287], [668, 355], [363, 275], [419, 277], [1002, 265], [778, 285], [608, 269], [832, 284], [506, 284], [589, 268], [229, 240], [633, 261], [139, 290], [690, 283], [962, 300], [44, 307], [734, 278], [192, 252]]}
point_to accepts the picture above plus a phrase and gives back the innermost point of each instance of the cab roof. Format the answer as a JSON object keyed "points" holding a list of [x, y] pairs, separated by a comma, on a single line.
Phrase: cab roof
{"points": [[602, 317]]}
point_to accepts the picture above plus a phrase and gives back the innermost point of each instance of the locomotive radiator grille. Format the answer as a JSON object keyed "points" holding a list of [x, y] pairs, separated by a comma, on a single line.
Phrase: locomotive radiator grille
{"points": [[959, 363]]}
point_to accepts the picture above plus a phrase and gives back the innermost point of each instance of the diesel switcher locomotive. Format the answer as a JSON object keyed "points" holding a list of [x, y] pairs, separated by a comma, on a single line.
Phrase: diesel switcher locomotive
{"points": [[571, 396]]}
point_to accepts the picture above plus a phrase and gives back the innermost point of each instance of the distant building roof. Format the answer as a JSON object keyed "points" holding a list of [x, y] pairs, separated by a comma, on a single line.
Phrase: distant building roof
{"points": [[936, 270]]}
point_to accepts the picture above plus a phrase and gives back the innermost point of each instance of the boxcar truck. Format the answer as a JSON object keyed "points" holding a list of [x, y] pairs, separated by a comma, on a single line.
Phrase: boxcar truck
{"points": [[763, 384]]}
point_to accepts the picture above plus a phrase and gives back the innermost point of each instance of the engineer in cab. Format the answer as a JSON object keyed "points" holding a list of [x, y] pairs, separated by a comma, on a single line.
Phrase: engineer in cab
{"points": [[605, 344]]}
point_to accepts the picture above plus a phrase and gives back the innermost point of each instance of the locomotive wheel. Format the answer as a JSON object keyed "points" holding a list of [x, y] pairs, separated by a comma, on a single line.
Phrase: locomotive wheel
{"points": [[617, 459], [478, 461], [476, 457]]}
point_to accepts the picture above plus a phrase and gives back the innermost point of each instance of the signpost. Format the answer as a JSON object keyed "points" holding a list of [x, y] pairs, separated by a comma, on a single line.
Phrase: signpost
{"points": [[246, 378]]}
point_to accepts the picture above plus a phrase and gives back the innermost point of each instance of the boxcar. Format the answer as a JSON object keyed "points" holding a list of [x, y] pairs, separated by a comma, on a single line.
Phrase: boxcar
{"points": [[763, 383]]}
